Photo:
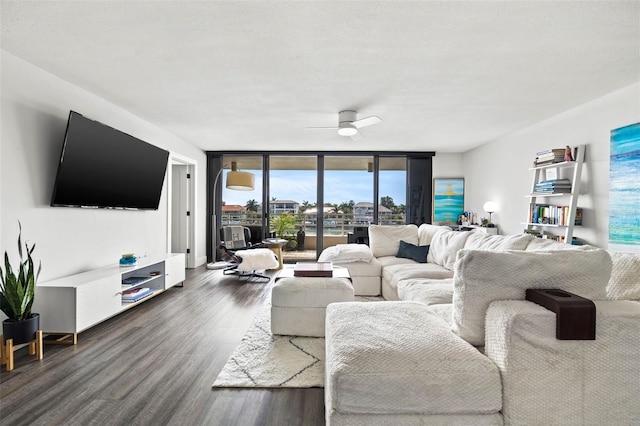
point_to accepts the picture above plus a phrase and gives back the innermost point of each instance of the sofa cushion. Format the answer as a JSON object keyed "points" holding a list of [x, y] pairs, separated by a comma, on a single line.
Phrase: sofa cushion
{"points": [[413, 252], [427, 291], [444, 311], [384, 240], [364, 269], [624, 283], [400, 358], [538, 244], [393, 274], [386, 261], [426, 231], [481, 277], [445, 244], [482, 241]]}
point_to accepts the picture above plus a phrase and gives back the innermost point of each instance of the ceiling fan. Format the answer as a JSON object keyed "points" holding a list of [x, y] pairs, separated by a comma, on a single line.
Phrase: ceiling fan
{"points": [[349, 125]]}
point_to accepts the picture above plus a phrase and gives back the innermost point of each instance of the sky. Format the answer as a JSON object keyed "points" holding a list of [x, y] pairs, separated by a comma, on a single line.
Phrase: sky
{"points": [[340, 186]]}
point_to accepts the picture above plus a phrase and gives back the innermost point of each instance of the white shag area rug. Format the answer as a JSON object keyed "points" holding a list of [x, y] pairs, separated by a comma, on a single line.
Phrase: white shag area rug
{"points": [[264, 360]]}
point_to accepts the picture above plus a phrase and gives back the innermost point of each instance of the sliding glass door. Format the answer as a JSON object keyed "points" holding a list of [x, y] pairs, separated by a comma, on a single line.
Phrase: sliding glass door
{"points": [[292, 194], [348, 198]]}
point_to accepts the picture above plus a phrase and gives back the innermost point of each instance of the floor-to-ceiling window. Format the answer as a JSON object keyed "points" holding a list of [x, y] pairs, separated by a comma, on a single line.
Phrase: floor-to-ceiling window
{"points": [[392, 190], [348, 196], [318, 199], [293, 190]]}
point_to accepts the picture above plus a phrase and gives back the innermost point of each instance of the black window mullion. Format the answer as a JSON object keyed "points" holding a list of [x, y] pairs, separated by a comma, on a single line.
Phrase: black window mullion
{"points": [[320, 206]]}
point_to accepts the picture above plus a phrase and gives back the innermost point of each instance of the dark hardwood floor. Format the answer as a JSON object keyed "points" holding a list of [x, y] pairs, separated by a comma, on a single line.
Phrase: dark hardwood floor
{"points": [[154, 365]]}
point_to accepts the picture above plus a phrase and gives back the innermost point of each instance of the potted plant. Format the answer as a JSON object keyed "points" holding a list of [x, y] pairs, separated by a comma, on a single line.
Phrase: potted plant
{"points": [[283, 225], [17, 290]]}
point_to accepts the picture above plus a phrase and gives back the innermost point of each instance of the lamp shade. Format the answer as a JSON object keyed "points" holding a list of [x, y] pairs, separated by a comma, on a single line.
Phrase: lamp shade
{"points": [[490, 207], [240, 181]]}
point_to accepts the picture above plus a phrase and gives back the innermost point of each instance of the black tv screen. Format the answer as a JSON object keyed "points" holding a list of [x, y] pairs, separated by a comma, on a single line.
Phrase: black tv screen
{"points": [[104, 167]]}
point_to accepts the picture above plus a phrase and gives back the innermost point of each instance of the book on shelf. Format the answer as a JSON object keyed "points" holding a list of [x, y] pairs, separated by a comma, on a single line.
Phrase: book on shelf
{"points": [[134, 280], [136, 294], [578, 221], [546, 214], [313, 269], [549, 156], [553, 186]]}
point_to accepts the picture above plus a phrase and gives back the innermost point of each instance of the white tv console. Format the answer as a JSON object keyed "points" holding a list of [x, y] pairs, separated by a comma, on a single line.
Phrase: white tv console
{"points": [[73, 304]]}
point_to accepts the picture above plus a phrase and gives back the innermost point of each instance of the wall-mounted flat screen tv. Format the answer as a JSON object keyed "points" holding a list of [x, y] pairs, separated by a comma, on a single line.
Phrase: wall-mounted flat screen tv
{"points": [[102, 167]]}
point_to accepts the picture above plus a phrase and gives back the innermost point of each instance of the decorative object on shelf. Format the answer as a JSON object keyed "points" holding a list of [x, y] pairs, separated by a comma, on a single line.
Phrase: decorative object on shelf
{"points": [[624, 189], [17, 292], [238, 181], [128, 259], [490, 207], [448, 200], [568, 156]]}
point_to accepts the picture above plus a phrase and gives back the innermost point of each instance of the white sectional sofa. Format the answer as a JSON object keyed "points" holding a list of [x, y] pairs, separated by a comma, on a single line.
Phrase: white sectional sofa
{"points": [[457, 343]]}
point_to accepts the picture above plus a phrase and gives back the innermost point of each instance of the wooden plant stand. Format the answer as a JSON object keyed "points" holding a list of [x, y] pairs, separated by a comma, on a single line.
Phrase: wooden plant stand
{"points": [[6, 355]]}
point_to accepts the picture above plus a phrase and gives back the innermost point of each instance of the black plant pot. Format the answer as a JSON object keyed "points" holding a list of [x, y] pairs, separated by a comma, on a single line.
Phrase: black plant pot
{"points": [[21, 331]]}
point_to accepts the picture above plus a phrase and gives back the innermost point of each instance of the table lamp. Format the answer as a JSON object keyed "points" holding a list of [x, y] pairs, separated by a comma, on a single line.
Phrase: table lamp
{"points": [[490, 207]]}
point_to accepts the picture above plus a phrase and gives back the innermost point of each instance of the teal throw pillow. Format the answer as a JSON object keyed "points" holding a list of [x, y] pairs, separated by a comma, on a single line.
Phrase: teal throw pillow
{"points": [[411, 251]]}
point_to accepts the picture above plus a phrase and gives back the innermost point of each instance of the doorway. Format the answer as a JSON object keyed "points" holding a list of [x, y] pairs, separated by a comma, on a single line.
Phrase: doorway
{"points": [[181, 212]]}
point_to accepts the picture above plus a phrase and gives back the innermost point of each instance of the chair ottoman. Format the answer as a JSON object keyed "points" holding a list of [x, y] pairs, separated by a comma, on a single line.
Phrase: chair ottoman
{"points": [[298, 304]]}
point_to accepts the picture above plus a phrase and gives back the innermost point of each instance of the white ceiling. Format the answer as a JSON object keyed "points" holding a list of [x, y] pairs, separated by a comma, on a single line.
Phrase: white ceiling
{"points": [[443, 75]]}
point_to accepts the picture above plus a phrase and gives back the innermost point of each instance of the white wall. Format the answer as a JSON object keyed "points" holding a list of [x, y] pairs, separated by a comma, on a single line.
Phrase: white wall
{"points": [[498, 171], [447, 165], [34, 110]]}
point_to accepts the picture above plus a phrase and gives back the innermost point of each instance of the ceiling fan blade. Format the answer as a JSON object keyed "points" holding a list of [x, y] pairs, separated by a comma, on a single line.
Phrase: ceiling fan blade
{"points": [[321, 128], [358, 136], [368, 121]]}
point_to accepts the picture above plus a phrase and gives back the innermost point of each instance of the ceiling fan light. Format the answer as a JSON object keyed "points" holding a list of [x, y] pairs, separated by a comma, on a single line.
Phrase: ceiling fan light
{"points": [[347, 130]]}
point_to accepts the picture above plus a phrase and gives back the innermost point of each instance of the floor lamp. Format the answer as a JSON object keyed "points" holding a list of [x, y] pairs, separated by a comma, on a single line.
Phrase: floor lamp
{"points": [[238, 181]]}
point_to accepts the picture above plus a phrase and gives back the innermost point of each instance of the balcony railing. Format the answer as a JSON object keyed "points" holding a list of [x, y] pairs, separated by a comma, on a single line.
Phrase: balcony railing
{"points": [[333, 224]]}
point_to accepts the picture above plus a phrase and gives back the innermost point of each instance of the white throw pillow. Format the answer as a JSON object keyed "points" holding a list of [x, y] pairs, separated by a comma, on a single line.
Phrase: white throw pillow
{"points": [[624, 283], [346, 253], [481, 277], [445, 245], [426, 231], [384, 240], [482, 241]]}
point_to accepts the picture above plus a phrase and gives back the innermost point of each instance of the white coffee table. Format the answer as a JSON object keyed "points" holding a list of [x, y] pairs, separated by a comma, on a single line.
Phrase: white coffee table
{"points": [[298, 304]]}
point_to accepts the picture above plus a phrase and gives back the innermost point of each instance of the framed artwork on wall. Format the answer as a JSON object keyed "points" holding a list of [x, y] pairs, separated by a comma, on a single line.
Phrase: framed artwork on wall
{"points": [[448, 200], [624, 189]]}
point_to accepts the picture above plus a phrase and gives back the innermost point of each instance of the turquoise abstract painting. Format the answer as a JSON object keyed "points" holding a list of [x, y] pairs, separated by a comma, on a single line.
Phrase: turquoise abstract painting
{"points": [[448, 199], [624, 189]]}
